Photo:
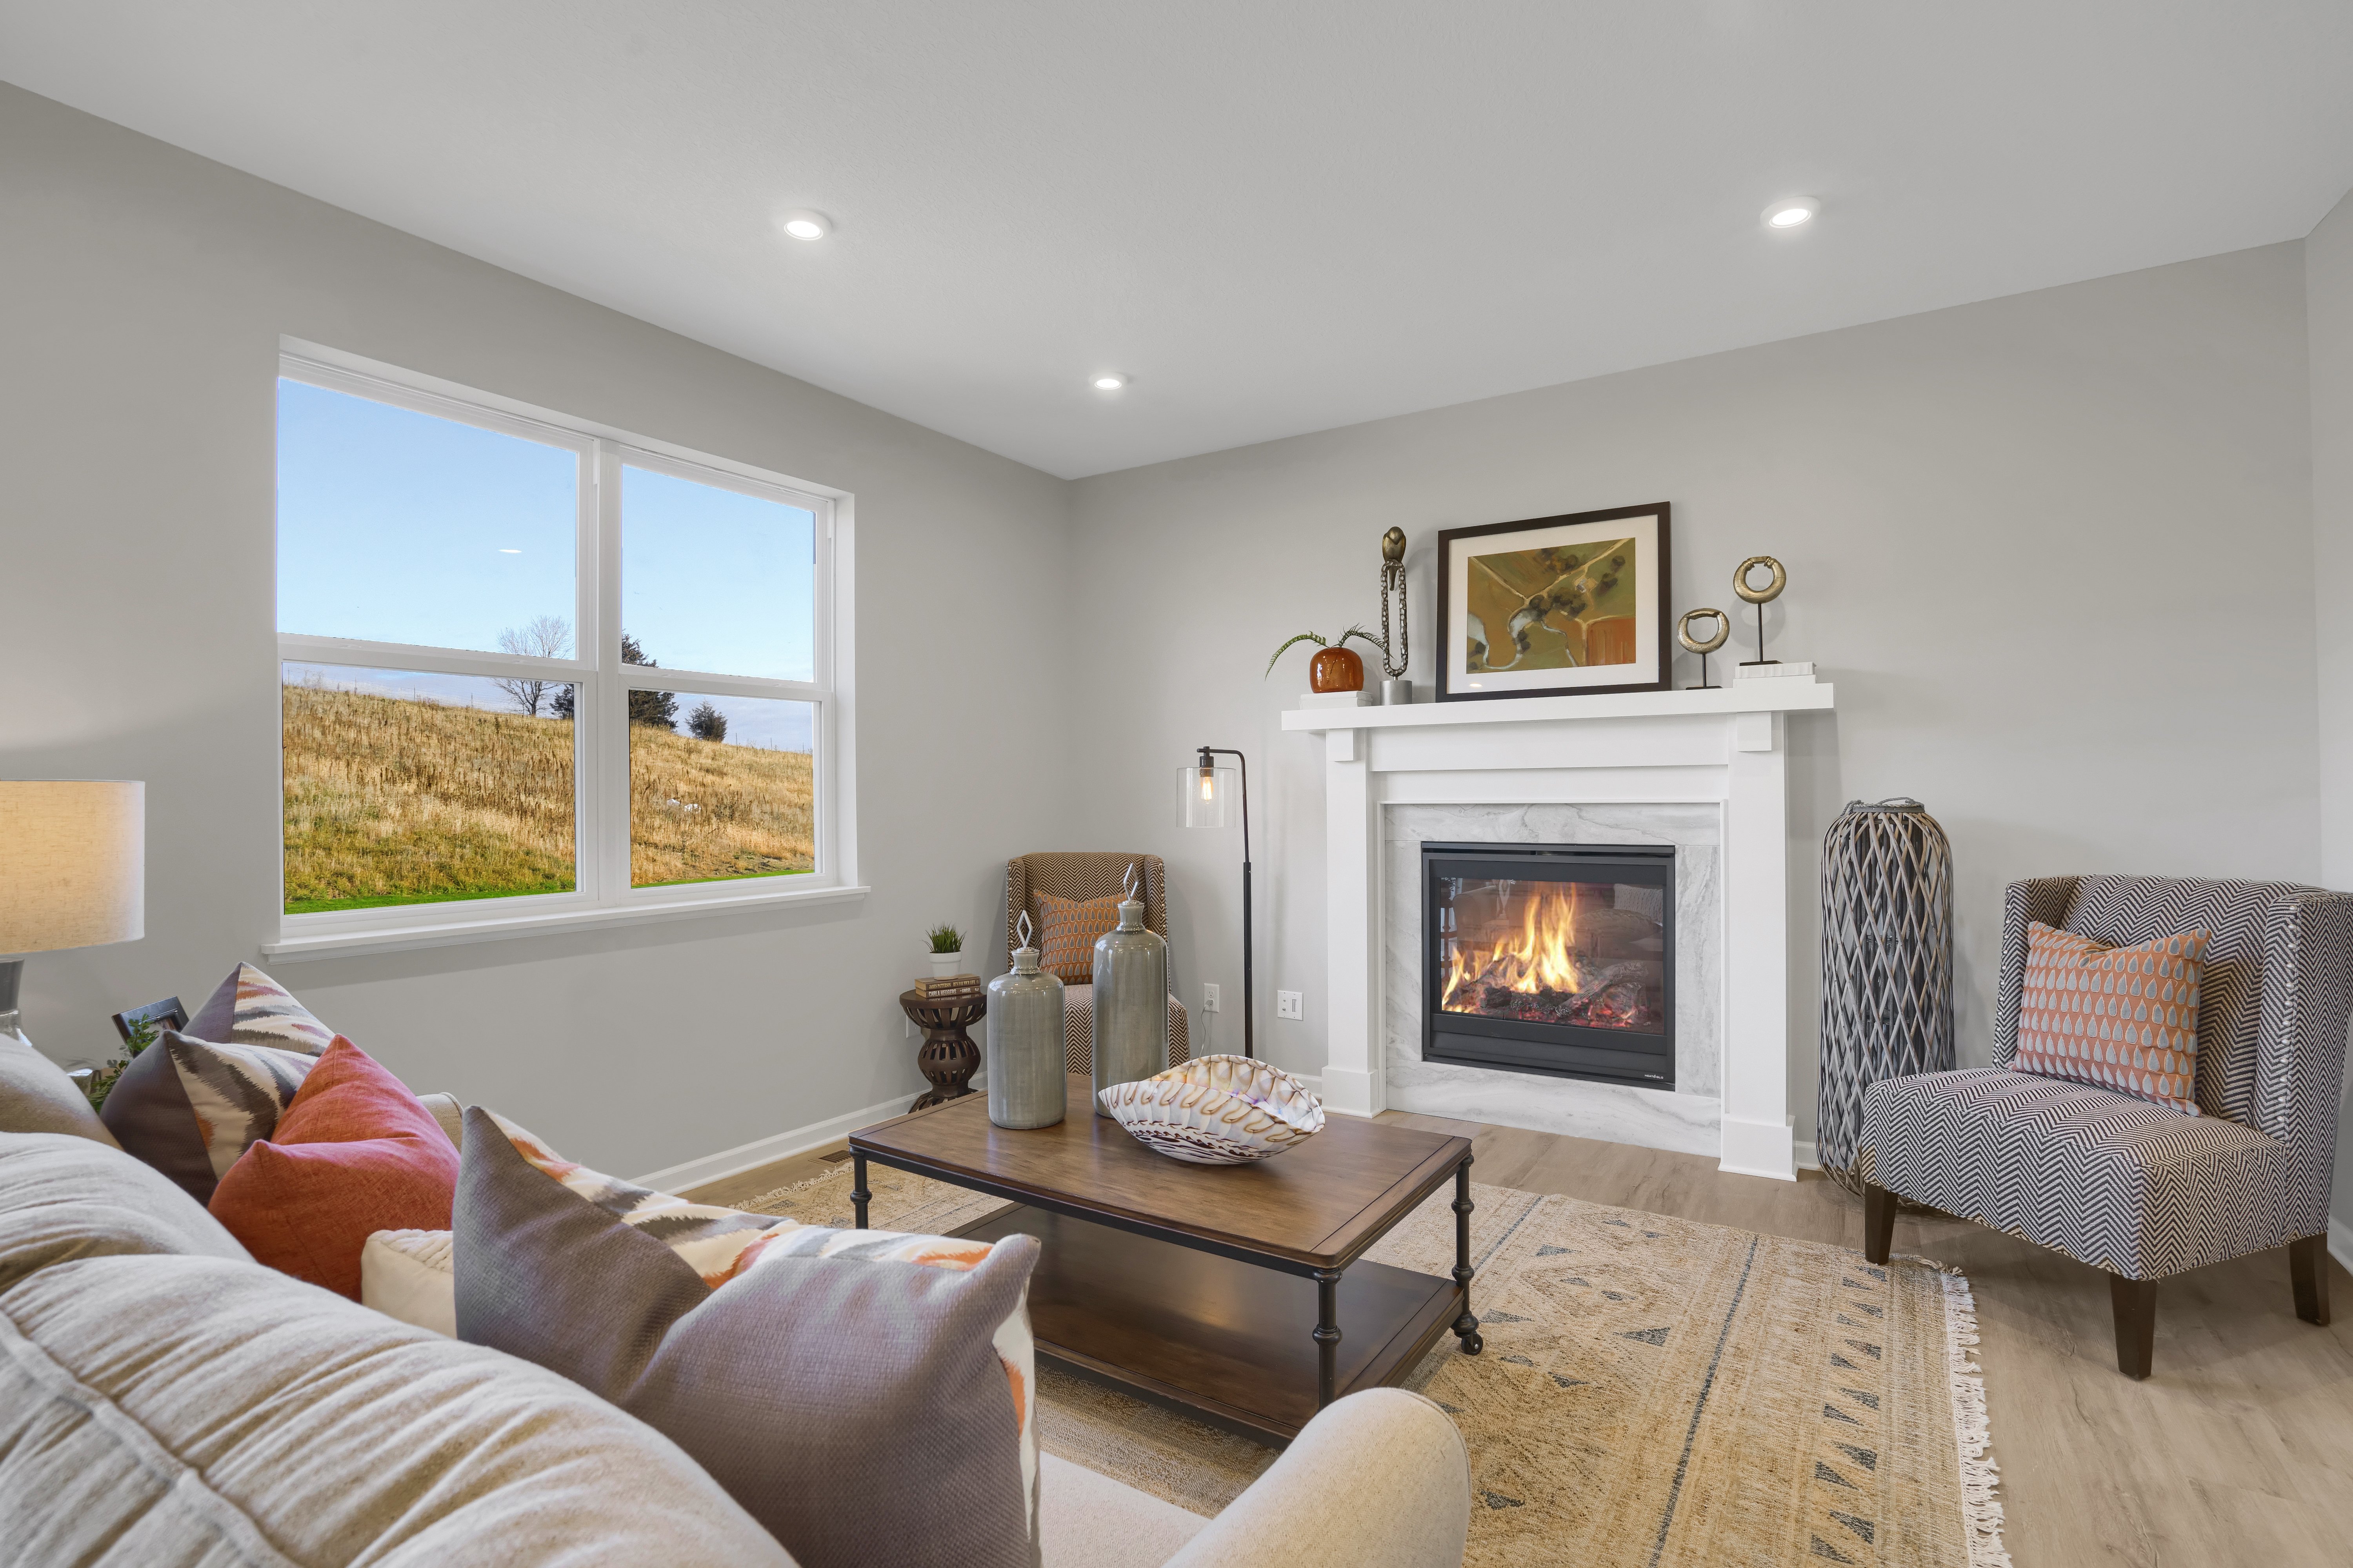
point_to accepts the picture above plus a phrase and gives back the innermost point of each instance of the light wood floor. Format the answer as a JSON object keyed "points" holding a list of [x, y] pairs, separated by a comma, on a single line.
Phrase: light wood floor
{"points": [[2238, 1450]]}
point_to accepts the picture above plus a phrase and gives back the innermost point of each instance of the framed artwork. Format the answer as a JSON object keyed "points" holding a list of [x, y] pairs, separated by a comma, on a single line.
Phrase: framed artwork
{"points": [[1554, 606]]}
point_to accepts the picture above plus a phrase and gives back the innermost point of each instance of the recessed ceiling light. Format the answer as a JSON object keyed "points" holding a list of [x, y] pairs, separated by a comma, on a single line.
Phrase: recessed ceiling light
{"points": [[806, 225], [1792, 212], [1110, 381], [505, 551]]}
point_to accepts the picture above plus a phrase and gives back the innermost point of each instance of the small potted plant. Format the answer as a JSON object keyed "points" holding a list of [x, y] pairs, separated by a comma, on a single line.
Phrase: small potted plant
{"points": [[946, 952], [1336, 668]]}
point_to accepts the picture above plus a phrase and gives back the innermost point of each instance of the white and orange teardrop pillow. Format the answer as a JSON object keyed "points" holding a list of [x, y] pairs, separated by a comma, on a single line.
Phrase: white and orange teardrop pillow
{"points": [[2123, 1018]]}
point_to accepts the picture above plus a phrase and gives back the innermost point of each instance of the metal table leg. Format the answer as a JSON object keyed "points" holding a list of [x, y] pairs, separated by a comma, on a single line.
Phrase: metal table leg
{"points": [[857, 1193], [1327, 1334], [1466, 1327]]}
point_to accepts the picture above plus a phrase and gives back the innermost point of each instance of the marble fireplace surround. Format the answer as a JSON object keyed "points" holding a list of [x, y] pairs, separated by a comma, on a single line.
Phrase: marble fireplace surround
{"points": [[1706, 771]]}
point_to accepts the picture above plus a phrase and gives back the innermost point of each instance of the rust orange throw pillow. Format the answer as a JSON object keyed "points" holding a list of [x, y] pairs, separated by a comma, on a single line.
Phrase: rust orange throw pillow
{"points": [[2123, 1018], [354, 1153], [1066, 939]]}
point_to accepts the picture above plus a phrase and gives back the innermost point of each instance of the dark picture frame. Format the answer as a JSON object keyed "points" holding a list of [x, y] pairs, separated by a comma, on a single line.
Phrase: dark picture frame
{"points": [[1555, 632]]}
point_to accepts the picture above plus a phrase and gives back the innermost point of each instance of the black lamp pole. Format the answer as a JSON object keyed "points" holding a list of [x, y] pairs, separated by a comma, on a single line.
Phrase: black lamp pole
{"points": [[1249, 1046]]}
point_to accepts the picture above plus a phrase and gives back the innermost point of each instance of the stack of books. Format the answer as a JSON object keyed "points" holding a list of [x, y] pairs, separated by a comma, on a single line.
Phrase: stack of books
{"points": [[954, 988]]}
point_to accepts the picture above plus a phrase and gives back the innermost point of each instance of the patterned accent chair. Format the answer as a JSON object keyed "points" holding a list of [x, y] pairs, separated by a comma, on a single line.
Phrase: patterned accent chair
{"points": [[2133, 1188], [1091, 874]]}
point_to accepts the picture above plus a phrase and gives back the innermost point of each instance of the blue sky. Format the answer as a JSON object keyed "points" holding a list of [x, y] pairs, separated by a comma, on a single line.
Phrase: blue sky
{"points": [[397, 527]]}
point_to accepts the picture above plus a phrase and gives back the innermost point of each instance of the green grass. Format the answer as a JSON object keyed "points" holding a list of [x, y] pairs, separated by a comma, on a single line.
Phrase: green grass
{"points": [[391, 900]]}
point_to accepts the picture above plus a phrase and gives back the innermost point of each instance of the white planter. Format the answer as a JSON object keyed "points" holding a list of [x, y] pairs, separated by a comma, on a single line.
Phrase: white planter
{"points": [[945, 964]]}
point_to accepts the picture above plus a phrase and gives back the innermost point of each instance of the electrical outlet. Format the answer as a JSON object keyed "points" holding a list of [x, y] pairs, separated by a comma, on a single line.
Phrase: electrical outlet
{"points": [[1287, 1004], [1209, 998]]}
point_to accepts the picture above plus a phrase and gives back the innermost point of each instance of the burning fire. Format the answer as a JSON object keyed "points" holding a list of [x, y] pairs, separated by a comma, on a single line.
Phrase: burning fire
{"points": [[1541, 957], [1542, 973]]}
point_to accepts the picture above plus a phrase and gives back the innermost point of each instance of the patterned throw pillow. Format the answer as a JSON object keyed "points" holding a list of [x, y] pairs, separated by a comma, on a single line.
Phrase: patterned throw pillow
{"points": [[893, 1367], [2123, 1018], [189, 1107], [1066, 931], [719, 1244], [250, 1009]]}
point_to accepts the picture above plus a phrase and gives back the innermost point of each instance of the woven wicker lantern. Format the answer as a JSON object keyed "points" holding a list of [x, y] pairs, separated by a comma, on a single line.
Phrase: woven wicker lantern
{"points": [[1888, 964]]}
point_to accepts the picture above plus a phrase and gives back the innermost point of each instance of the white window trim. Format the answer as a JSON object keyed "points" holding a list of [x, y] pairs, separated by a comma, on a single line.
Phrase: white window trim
{"points": [[602, 895]]}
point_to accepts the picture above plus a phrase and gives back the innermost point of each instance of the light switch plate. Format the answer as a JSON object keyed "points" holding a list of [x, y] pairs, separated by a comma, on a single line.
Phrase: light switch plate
{"points": [[1209, 998], [1287, 1004]]}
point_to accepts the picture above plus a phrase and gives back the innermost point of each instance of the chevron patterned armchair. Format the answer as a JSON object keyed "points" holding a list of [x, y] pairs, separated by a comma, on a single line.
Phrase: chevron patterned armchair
{"points": [[2130, 1187]]}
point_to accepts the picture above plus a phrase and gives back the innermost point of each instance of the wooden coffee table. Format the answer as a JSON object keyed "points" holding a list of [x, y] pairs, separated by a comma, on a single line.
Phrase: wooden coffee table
{"points": [[1236, 1294]]}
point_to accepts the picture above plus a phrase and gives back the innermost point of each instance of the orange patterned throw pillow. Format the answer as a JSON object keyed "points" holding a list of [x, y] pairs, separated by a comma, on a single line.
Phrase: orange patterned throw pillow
{"points": [[1068, 928], [2123, 1018]]}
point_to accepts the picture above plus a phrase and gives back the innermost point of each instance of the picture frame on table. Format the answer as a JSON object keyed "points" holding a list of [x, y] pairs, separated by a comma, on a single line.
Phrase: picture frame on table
{"points": [[1555, 607]]}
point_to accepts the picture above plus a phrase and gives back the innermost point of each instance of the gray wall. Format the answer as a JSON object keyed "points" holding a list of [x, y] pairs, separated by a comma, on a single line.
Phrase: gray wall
{"points": [[144, 290], [2328, 285], [2051, 548]]}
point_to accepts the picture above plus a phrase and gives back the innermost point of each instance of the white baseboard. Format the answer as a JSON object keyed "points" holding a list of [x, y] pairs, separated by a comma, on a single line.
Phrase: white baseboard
{"points": [[749, 1156], [2340, 1242], [1759, 1149], [1810, 1155]]}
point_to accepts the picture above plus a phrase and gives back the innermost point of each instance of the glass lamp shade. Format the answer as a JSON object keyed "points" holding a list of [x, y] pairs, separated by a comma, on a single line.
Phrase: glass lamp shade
{"points": [[1209, 797]]}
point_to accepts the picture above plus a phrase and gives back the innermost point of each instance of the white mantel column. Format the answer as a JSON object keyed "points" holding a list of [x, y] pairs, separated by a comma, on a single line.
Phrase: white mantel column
{"points": [[1757, 1138], [1354, 1080]]}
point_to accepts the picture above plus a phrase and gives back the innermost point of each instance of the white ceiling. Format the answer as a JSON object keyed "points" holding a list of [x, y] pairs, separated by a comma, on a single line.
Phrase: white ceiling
{"points": [[1275, 216]]}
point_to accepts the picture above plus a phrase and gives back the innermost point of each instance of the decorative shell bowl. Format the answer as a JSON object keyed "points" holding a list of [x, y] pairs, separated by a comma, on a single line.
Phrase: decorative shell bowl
{"points": [[1216, 1111]]}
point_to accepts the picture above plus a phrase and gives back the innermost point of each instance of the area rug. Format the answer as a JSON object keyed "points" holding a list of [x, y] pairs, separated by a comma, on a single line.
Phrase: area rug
{"points": [[1654, 1393]]}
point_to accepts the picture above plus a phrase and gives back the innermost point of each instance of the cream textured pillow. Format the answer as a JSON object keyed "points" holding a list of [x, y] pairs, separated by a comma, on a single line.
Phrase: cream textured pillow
{"points": [[409, 1274]]}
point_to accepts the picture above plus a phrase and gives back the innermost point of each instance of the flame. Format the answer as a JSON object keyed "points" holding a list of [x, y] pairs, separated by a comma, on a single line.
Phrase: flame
{"points": [[1541, 956]]}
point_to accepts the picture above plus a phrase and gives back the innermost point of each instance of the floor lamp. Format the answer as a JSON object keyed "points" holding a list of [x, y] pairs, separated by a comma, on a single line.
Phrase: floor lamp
{"points": [[1216, 796]]}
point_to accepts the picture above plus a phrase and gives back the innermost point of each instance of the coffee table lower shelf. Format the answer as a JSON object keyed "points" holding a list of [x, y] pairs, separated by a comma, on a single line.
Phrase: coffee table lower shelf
{"points": [[1223, 1341]]}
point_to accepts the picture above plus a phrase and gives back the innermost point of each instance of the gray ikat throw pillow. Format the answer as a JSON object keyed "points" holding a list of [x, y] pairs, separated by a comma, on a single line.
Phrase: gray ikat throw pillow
{"points": [[851, 1393]]}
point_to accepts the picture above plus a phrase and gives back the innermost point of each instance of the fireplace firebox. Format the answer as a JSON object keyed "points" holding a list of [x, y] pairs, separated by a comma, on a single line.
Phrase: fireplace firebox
{"points": [[1550, 959]]}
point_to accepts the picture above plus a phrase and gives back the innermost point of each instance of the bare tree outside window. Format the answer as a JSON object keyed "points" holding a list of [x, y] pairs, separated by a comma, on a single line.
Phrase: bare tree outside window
{"points": [[544, 637]]}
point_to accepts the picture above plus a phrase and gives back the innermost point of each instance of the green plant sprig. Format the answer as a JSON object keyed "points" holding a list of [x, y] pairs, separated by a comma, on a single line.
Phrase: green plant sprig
{"points": [[946, 940], [101, 1082], [1316, 638]]}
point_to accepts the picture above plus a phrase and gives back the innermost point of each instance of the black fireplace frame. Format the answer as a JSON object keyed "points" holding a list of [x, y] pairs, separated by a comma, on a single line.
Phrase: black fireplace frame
{"points": [[1548, 1050]]}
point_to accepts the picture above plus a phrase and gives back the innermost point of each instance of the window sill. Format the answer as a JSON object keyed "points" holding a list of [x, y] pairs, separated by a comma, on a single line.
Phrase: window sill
{"points": [[403, 938]]}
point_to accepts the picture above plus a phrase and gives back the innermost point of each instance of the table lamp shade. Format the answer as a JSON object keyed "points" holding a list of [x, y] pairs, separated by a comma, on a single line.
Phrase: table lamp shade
{"points": [[73, 863]]}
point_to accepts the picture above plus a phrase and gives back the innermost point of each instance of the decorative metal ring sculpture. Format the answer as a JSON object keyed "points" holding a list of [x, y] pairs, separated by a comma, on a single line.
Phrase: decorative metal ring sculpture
{"points": [[1766, 594], [1693, 645]]}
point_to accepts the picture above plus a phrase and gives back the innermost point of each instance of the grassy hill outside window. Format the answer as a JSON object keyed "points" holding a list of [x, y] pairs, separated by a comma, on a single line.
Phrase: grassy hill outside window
{"points": [[535, 670]]}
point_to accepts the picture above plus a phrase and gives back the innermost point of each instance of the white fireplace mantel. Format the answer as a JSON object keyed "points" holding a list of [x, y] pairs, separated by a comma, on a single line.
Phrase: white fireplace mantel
{"points": [[1726, 749]]}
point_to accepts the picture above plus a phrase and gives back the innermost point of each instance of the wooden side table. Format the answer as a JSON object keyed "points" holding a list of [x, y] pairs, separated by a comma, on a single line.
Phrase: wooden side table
{"points": [[948, 1058]]}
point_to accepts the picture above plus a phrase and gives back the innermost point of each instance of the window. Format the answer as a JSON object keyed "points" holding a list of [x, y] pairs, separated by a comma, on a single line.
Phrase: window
{"points": [[535, 672]]}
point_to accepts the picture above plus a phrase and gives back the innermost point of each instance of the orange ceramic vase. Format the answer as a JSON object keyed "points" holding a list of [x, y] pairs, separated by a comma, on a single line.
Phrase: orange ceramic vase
{"points": [[1336, 670]]}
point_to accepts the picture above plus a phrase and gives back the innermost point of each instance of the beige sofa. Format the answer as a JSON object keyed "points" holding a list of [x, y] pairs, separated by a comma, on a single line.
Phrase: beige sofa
{"points": [[164, 1400]]}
